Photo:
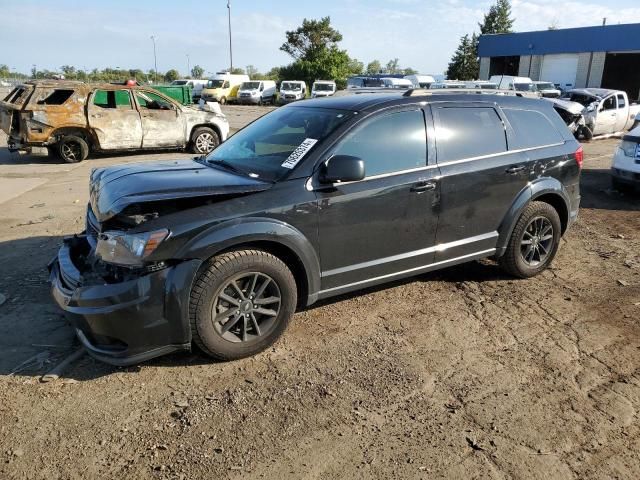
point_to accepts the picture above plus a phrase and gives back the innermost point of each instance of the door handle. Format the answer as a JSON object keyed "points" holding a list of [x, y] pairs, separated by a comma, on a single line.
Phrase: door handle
{"points": [[516, 169], [423, 187]]}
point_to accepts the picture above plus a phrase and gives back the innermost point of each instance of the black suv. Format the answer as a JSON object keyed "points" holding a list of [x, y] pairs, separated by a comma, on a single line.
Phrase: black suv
{"points": [[312, 200]]}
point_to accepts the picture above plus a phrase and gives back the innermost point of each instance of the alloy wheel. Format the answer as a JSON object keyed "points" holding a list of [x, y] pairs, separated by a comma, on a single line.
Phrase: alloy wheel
{"points": [[537, 241], [205, 142], [246, 307], [71, 151]]}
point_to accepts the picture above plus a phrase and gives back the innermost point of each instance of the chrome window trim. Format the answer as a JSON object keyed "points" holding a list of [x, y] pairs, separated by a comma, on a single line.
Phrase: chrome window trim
{"points": [[481, 157], [415, 253], [403, 272]]}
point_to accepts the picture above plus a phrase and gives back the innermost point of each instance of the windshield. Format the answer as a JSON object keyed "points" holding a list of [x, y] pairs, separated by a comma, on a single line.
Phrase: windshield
{"points": [[581, 98], [525, 87], [323, 87], [260, 149], [291, 86], [545, 86], [215, 83], [250, 86], [179, 82]]}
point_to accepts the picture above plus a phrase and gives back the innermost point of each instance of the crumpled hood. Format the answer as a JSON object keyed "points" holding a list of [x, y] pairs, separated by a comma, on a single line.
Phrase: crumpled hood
{"points": [[574, 108], [113, 189]]}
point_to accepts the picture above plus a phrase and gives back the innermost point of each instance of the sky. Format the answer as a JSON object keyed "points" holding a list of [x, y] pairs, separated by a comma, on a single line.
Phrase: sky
{"points": [[422, 34]]}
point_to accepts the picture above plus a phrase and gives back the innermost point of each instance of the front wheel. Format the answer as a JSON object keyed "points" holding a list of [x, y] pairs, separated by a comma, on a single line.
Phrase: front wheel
{"points": [[534, 241], [241, 304], [204, 140], [223, 100]]}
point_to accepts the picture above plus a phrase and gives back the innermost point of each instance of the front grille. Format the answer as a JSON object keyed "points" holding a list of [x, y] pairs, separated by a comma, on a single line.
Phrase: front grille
{"points": [[289, 97]]}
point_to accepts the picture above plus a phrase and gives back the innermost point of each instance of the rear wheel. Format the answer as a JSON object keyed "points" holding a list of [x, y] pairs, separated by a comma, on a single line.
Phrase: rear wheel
{"points": [[241, 304], [534, 241], [72, 149], [204, 140]]}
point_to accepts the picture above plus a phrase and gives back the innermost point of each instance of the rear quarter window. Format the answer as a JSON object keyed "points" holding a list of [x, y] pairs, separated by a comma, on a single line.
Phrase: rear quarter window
{"points": [[532, 129], [55, 97], [468, 132]]}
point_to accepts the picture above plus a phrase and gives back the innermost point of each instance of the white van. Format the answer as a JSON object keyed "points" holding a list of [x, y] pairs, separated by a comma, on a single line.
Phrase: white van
{"points": [[482, 84], [195, 84], [257, 92], [223, 87], [524, 86], [292, 90], [401, 83], [421, 81], [323, 88], [448, 84]]}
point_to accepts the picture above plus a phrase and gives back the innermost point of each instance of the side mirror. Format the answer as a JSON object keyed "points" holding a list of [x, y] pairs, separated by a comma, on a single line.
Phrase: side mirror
{"points": [[342, 168]]}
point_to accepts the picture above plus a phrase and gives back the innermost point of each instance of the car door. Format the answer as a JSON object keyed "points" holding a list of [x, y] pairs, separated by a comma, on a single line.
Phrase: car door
{"points": [[480, 178], [114, 119], [162, 121], [622, 117], [607, 116], [384, 224]]}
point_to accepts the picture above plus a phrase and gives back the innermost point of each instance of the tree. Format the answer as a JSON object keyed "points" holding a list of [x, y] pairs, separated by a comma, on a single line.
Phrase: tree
{"points": [[392, 67], [237, 71], [497, 19], [355, 66], [464, 64], [252, 71], [68, 71], [197, 71], [410, 71], [4, 71], [171, 75], [374, 67], [309, 40]]}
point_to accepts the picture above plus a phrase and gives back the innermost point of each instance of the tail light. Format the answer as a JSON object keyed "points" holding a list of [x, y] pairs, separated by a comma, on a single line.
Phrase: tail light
{"points": [[579, 156]]}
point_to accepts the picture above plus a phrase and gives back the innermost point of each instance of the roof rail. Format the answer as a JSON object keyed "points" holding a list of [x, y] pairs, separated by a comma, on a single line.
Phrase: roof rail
{"points": [[416, 92]]}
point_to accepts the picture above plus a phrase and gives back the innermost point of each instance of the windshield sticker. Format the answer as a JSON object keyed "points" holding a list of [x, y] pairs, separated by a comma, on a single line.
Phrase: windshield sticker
{"points": [[299, 152]]}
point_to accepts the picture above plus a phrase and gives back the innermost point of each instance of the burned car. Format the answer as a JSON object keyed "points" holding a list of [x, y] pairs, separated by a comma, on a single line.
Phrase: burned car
{"points": [[73, 119]]}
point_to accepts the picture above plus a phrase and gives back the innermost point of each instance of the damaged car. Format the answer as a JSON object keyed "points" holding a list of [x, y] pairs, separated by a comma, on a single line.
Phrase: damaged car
{"points": [[313, 200], [605, 111], [74, 119], [572, 114]]}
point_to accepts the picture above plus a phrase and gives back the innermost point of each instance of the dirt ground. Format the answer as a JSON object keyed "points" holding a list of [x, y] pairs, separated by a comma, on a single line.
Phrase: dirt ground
{"points": [[462, 373]]}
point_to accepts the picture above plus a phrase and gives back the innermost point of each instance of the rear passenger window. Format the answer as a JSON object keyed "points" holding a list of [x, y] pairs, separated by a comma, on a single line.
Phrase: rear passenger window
{"points": [[467, 132], [532, 129], [119, 99], [390, 143], [57, 97]]}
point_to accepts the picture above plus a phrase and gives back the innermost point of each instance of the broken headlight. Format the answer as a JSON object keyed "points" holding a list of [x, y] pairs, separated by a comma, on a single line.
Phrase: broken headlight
{"points": [[128, 249]]}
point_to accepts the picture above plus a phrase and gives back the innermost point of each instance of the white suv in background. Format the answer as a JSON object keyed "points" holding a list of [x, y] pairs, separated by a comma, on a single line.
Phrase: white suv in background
{"points": [[625, 171]]}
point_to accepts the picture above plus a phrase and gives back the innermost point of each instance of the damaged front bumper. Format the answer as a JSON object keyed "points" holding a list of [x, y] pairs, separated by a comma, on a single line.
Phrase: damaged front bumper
{"points": [[127, 321]]}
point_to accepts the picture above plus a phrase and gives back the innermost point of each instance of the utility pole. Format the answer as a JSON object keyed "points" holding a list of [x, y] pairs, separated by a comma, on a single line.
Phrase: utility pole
{"points": [[188, 66], [155, 61], [230, 49]]}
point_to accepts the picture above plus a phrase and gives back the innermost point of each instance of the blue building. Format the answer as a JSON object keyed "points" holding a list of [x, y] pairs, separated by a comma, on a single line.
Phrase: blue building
{"points": [[606, 56]]}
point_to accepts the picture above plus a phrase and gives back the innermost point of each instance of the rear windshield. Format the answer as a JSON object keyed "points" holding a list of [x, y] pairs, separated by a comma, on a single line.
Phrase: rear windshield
{"points": [[57, 97]]}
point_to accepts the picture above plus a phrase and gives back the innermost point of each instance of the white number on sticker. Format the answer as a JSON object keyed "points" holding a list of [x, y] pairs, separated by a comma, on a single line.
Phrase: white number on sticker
{"points": [[299, 152]]}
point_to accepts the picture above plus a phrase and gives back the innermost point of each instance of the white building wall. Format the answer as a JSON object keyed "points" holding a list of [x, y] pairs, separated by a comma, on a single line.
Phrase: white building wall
{"points": [[485, 62]]}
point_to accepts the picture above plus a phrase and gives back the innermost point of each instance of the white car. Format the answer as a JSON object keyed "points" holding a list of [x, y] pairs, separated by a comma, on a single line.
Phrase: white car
{"points": [[522, 85], [323, 88], [625, 171], [548, 89]]}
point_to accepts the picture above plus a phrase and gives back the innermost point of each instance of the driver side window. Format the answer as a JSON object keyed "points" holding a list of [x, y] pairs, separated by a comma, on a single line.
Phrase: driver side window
{"points": [[609, 103], [151, 101], [389, 143]]}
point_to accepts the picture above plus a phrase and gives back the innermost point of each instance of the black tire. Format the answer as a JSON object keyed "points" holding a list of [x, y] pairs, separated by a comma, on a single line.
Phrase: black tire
{"points": [[587, 133], [242, 338], [72, 149], [519, 260], [204, 140]]}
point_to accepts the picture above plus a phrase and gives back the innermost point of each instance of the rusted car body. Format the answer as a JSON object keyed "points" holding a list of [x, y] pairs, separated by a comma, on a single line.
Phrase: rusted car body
{"points": [[75, 118]]}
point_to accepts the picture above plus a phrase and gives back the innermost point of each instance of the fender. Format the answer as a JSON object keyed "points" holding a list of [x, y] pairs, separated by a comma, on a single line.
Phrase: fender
{"points": [[240, 231], [535, 189]]}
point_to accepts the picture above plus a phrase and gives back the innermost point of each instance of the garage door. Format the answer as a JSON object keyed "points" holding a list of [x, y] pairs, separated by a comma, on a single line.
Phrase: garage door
{"points": [[560, 69]]}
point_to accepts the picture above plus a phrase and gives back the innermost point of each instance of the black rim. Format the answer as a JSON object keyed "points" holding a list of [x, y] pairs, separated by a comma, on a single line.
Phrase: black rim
{"points": [[537, 241], [246, 307], [71, 150]]}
